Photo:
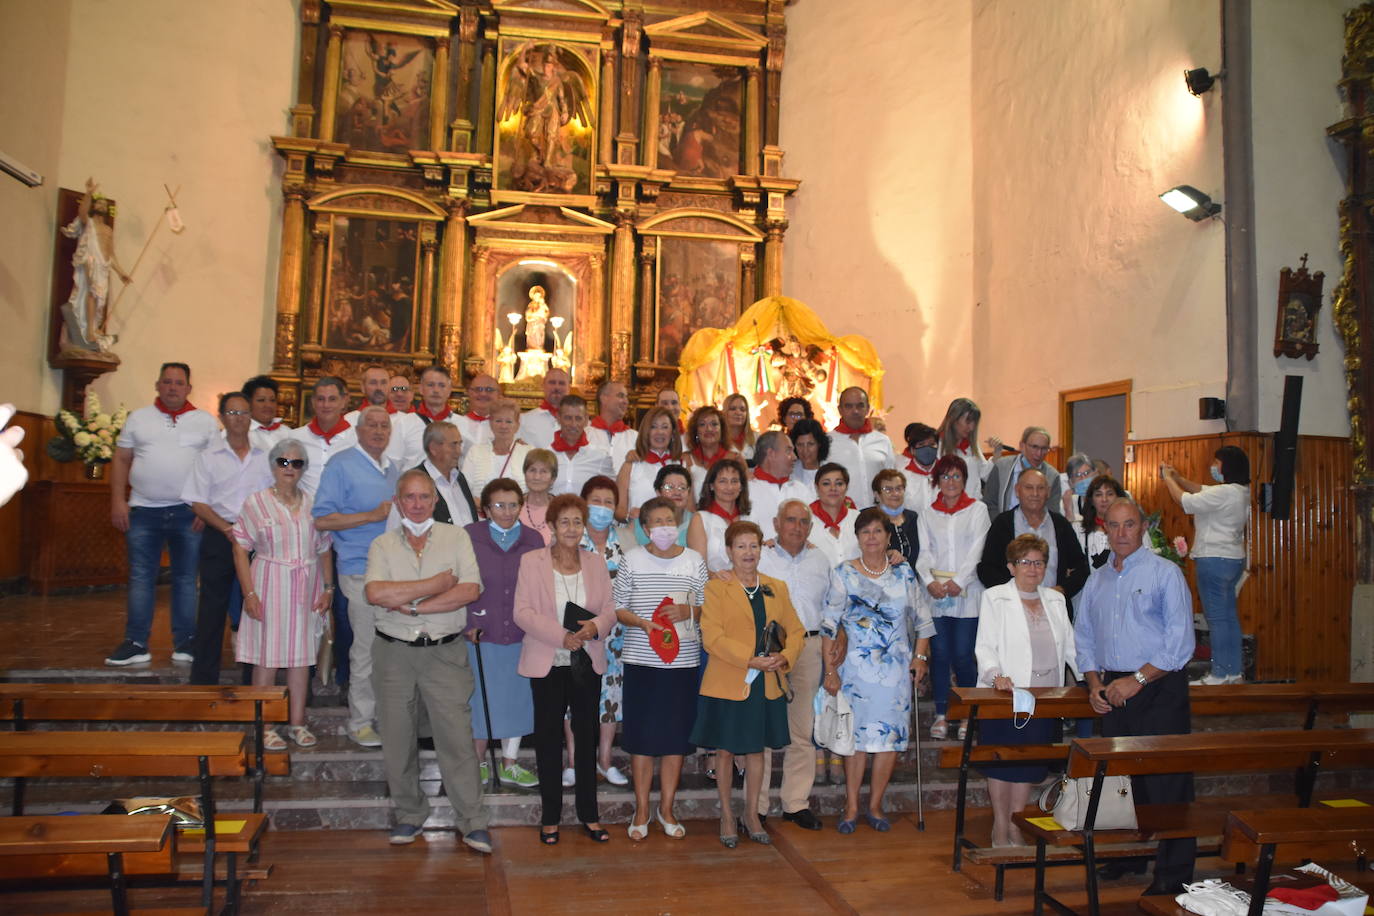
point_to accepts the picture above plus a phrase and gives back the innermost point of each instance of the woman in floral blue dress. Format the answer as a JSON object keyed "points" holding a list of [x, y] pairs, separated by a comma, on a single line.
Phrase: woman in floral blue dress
{"points": [[881, 612]]}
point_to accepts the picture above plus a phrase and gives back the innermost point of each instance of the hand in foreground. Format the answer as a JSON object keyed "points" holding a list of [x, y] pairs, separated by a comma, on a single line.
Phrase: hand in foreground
{"points": [[13, 474], [1003, 683], [323, 603], [771, 662], [1121, 690], [572, 641], [831, 682], [677, 612]]}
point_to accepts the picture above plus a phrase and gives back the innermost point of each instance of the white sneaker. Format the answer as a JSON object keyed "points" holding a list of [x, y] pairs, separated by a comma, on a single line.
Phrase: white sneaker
{"points": [[569, 778], [366, 736], [614, 776], [1212, 680]]}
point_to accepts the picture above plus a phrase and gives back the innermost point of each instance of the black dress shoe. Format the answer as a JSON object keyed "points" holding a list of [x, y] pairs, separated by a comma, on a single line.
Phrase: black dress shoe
{"points": [[803, 819], [1120, 868]]}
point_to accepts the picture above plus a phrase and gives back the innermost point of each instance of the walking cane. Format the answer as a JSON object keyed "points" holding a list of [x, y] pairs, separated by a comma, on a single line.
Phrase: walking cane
{"points": [[916, 707], [486, 709]]}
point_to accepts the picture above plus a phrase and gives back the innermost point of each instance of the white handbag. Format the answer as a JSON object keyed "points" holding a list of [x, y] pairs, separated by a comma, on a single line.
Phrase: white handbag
{"points": [[834, 728], [1068, 798]]}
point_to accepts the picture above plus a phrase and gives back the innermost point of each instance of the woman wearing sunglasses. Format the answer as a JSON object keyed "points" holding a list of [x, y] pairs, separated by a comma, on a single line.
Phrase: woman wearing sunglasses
{"points": [[287, 588]]}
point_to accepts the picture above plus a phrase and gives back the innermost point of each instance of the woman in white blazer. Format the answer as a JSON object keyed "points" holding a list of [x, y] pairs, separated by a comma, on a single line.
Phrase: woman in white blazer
{"points": [[1024, 640]]}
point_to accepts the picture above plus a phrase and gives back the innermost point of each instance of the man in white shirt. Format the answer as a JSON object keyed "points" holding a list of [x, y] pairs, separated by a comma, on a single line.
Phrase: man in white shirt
{"points": [[265, 429], [475, 425], [771, 482], [537, 426], [578, 460], [806, 571], [443, 448], [328, 433], [225, 474], [608, 429], [398, 396], [862, 450], [153, 456], [405, 449], [435, 387]]}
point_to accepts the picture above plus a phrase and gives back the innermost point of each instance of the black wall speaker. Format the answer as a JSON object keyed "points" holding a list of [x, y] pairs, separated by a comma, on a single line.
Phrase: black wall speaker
{"points": [[1211, 409], [1280, 503]]}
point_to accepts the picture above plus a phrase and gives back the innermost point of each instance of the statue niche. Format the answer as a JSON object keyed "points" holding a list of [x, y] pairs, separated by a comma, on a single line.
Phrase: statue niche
{"points": [[545, 131], [549, 297]]}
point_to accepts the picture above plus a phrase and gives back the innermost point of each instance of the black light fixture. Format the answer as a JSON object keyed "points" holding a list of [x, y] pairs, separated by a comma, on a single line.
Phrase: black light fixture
{"points": [[1191, 202], [1199, 80]]}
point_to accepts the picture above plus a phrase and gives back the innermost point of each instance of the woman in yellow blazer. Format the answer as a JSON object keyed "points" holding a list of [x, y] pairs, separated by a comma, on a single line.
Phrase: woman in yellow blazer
{"points": [[743, 706]]}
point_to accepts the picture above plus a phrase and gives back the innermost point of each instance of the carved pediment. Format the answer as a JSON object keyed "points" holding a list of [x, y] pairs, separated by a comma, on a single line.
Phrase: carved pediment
{"points": [[563, 9], [533, 218], [705, 31], [701, 223], [376, 199], [371, 13]]}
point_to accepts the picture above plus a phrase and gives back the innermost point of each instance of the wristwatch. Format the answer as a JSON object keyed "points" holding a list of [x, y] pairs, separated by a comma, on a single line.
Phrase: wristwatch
{"points": [[924, 658], [413, 608], [1140, 679]]}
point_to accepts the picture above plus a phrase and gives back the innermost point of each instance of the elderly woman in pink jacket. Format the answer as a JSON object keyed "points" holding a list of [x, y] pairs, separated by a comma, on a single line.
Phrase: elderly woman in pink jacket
{"points": [[563, 603]]}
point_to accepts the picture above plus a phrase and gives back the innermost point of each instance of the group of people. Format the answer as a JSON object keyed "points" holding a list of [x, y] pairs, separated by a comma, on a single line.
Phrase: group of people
{"points": [[692, 585]]}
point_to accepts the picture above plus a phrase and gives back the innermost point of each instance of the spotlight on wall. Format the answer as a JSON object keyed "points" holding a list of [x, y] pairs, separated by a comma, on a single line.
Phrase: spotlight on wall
{"points": [[1199, 80], [1191, 202]]}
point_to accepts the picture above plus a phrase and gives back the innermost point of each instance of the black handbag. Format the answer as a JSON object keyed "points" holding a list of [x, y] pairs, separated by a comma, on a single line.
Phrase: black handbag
{"points": [[771, 641]]}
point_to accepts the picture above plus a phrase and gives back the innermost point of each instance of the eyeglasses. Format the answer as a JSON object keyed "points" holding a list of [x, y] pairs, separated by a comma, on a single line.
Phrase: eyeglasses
{"points": [[673, 488], [483, 389], [1031, 564], [504, 506], [296, 463], [954, 477], [400, 387], [900, 488], [236, 413]]}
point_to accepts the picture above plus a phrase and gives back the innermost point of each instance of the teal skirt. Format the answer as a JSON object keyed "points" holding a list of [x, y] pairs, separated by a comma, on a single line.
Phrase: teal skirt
{"points": [[742, 726]]}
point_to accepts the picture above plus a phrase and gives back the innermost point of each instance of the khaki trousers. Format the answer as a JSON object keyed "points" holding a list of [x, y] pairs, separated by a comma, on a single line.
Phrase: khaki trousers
{"points": [[362, 703], [799, 759], [439, 676]]}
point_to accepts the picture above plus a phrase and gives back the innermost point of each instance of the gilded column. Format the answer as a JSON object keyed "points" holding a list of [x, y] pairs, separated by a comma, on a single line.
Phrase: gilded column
{"points": [[622, 296], [486, 106], [594, 340], [467, 57], [632, 30], [607, 126], [438, 102], [289, 279], [777, 45], [479, 317], [423, 341], [753, 102], [331, 81], [451, 287], [772, 258], [311, 326], [748, 264], [648, 149], [648, 254]]}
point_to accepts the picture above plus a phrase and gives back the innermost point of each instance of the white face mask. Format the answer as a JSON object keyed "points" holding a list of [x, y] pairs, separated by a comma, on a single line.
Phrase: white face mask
{"points": [[1022, 701], [663, 536], [417, 528]]}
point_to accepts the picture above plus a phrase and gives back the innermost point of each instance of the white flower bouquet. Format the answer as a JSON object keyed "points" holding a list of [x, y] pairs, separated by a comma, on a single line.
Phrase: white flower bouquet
{"points": [[89, 438]]}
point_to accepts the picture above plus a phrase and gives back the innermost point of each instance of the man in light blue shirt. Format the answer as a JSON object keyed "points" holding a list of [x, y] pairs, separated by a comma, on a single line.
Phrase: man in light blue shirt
{"points": [[353, 501], [1134, 632]]}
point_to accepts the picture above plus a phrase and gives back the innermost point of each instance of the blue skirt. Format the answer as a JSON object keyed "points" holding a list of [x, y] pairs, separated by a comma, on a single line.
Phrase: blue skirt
{"points": [[660, 709], [512, 702], [1002, 731]]}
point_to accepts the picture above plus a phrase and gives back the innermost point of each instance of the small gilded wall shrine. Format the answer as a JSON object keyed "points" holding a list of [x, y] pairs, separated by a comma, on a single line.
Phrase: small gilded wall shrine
{"points": [[508, 185]]}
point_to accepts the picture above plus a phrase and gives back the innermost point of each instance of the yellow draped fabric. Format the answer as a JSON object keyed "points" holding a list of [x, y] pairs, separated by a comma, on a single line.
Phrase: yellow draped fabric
{"points": [[778, 316]]}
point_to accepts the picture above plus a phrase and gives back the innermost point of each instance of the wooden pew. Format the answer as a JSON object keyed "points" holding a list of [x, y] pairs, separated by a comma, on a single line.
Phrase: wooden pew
{"points": [[255, 706], [975, 704], [1215, 752], [86, 846], [101, 754]]}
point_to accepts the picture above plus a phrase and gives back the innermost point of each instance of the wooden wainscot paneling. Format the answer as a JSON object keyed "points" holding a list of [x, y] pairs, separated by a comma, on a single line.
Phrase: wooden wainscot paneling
{"points": [[1302, 570]]}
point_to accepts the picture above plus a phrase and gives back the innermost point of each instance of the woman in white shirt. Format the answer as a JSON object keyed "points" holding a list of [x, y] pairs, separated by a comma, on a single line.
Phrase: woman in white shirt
{"points": [[832, 515], [1024, 640], [724, 500], [958, 435], [739, 433], [951, 530], [659, 444], [1091, 528], [813, 448], [1219, 516], [502, 456]]}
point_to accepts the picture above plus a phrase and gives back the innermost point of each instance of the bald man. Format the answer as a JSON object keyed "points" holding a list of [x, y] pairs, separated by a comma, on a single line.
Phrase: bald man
{"points": [[483, 392], [858, 447], [537, 426], [405, 448], [1066, 568], [608, 429]]}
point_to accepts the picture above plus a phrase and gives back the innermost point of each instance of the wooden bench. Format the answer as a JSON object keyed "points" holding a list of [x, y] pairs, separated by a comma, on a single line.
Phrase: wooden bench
{"points": [[255, 706], [102, 754], [981, 703], [1217, 752]]}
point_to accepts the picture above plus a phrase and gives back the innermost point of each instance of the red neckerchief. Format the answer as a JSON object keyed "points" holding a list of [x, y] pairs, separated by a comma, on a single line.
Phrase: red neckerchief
{"points": [[761, 474], [184, 408], [270, 427], [739, 443], [819, 511], [549, 407], [653, 457], [611, 428], [561, 446], [717, 509], [475, 417], [964, 502], [390, 408], [844, 430], [721, 452], [338, 428], [915, 468], [963, 445], [423, 410]]}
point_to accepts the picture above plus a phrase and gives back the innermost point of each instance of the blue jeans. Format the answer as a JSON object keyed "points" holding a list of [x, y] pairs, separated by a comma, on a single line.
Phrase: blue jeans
{"points": [[1216, 585], [149, 529], [952, 647]]}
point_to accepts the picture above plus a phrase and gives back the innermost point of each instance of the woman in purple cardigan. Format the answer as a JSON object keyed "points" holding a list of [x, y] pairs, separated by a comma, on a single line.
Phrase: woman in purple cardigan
{"points": [[560, 586], [499, 541]]}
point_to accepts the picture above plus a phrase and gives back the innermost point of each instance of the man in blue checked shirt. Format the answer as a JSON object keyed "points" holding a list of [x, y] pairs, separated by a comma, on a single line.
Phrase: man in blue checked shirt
{"points": [[1134, 630]]}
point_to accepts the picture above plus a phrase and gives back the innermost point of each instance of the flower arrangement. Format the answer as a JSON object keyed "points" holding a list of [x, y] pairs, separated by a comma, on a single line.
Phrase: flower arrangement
{"points": [[90, 437], [1175, 550]]}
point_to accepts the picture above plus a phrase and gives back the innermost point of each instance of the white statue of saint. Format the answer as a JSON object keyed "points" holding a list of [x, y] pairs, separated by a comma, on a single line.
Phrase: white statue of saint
{"points": [[85, 311], [536, 318]]}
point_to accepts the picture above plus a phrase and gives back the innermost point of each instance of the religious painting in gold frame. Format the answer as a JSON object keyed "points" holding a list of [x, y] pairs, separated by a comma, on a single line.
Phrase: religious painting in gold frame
{"points": [[384, 89], [370, 303], [545, 118], [700, 114], [698, 287]]}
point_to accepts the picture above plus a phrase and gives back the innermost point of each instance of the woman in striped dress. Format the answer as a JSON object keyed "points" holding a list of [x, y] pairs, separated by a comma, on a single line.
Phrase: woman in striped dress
{"points": [[287, 588]]}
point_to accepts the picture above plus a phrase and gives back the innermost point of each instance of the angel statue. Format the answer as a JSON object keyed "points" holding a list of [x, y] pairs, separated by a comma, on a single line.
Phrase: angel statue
{"points": [[85, 311], [543, 96]]}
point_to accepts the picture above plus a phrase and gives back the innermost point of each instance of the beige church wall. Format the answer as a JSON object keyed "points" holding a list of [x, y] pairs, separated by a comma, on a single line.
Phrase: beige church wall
{"points": [[1081, 275], [33, 42], [1299, 182], [876, 123], [161, 91]]}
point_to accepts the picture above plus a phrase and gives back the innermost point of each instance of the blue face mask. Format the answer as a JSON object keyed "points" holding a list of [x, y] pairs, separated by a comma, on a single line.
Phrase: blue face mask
{"points": [[600, 517], [891, 511], [925, 455], [1081, 488], [1216, 474], [1022, 704]]}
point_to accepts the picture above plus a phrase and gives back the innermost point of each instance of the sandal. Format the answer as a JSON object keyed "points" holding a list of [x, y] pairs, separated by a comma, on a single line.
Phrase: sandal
{"points": [[939, 729], [273, 741], [549, 839], [301, 736]]}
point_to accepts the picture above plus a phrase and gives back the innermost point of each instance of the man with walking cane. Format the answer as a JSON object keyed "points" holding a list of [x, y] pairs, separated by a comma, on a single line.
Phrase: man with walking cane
{"points": [[420, 578]]}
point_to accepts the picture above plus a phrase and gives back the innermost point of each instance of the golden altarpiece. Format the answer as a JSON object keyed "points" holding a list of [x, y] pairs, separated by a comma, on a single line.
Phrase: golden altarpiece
{"points": [[504, 185]]}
